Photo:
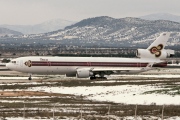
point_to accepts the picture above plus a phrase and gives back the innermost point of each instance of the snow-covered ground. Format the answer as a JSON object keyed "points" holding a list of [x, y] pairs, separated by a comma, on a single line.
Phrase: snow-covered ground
{"points": [[106, 117], [21, 118], [127, 94], [153, 76], [18, 78]]}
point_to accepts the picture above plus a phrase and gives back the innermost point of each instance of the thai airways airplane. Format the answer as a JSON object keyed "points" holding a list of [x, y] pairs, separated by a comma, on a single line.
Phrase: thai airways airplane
{"points": [[95, 67]]}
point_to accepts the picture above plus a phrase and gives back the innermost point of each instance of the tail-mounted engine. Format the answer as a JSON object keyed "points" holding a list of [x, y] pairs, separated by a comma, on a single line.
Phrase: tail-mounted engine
{"points": [[154, 53]]}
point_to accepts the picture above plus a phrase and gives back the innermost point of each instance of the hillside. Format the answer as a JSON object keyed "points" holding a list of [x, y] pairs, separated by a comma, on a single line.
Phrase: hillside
{"points": [[44, 27], [4, 32], [162, 16], [107, 31]]}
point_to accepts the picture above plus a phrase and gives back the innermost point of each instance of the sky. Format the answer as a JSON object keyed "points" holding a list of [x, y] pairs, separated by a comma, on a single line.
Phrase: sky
{"points": [[30, 12]]}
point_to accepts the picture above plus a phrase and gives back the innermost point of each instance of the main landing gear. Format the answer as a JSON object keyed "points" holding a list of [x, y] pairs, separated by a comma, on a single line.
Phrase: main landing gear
{"points": [[101, 74], [98, 78]]}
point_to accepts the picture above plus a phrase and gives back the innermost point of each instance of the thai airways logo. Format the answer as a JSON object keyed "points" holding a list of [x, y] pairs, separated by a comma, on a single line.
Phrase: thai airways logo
{"points": [[156, 50], [28, 63]]}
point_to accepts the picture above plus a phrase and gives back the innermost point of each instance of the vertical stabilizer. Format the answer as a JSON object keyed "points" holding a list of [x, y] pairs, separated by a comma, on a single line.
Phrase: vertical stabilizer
{"points": [[160, 42]]}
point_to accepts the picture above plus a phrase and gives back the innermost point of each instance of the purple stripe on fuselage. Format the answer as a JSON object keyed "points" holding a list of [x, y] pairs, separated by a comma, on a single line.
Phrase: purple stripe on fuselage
{"points": [[101, 64]]}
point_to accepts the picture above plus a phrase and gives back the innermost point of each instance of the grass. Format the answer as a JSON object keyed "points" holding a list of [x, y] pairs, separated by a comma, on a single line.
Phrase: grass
{"points": [[70, 105], [167, 89]]}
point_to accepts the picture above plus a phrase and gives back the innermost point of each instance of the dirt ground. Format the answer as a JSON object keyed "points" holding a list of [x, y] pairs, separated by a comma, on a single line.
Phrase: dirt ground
{"points": [[27, 93]]}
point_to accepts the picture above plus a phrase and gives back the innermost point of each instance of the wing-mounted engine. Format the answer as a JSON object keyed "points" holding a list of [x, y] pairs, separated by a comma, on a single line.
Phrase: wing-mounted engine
{"points": [[84, 73], [154, 53]]}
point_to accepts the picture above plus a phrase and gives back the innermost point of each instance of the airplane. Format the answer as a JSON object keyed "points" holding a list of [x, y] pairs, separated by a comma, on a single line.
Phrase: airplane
{"points": [[95, 67]]}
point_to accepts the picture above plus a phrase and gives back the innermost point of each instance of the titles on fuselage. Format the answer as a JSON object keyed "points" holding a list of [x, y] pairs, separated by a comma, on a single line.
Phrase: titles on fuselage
{"points": [[41, 59]]}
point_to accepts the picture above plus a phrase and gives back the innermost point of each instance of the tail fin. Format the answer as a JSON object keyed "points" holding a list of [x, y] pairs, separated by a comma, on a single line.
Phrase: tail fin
{"points": [[156, 49], [160, 42]]}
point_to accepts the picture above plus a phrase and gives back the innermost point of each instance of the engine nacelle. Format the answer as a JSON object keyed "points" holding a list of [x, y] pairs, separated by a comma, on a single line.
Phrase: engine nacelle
{"points": [[154, 53], [84, 73]]}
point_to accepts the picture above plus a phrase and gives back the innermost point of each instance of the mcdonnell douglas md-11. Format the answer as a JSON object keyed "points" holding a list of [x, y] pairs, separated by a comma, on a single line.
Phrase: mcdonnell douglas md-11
{"points": [[95, 67]]}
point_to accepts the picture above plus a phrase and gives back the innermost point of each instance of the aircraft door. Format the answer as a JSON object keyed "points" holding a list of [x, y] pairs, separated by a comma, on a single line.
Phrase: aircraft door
{"points": [[17, 63]]}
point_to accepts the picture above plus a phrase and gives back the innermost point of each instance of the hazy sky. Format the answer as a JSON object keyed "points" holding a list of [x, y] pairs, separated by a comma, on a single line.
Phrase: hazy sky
{"points": [[37, 11]]}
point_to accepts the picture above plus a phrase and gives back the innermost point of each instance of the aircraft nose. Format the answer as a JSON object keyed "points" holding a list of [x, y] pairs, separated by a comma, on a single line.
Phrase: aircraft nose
{"points": [[8, 65]]}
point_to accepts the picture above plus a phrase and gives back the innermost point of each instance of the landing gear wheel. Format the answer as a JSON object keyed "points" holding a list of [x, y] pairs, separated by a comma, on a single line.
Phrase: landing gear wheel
{"points": [[30, 78], [98, 78], [92, 78], [103, 78]]}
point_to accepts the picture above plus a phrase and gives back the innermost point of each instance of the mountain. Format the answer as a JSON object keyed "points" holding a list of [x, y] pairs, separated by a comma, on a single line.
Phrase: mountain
{"points": [[48, 26], [162, 16], [7, 32], [107, 31]]}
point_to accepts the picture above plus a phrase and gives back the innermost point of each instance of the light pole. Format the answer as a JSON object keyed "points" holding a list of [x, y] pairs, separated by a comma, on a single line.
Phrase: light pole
{"points": [[53, 112], [136, 112], [162, 113], [24, 112]]}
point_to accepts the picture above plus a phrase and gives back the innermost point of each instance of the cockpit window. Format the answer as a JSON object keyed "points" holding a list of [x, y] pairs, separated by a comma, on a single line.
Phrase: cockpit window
{"points": [[13, 61]]}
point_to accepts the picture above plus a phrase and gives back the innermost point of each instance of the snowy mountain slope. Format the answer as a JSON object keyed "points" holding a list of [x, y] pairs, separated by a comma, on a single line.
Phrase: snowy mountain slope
{"points": [[44, 27], [115, 31], [107, 31], [8, 32], [161, 16]]}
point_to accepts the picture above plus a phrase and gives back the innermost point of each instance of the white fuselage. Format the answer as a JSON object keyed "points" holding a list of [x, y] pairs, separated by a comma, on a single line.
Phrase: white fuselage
{"points": [[69, 65]]}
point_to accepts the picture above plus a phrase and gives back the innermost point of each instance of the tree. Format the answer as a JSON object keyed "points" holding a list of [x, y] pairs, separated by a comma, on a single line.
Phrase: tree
{"points": [[5, 60]]}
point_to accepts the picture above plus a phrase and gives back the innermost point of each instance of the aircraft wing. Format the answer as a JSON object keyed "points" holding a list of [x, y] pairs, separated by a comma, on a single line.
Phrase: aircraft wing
{"points": [[118, 70], [109, 71], [114, 69]]}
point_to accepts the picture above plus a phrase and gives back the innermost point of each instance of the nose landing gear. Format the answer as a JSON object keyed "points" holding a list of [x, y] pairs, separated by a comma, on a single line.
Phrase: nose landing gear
{"points": [[30, 78]]}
